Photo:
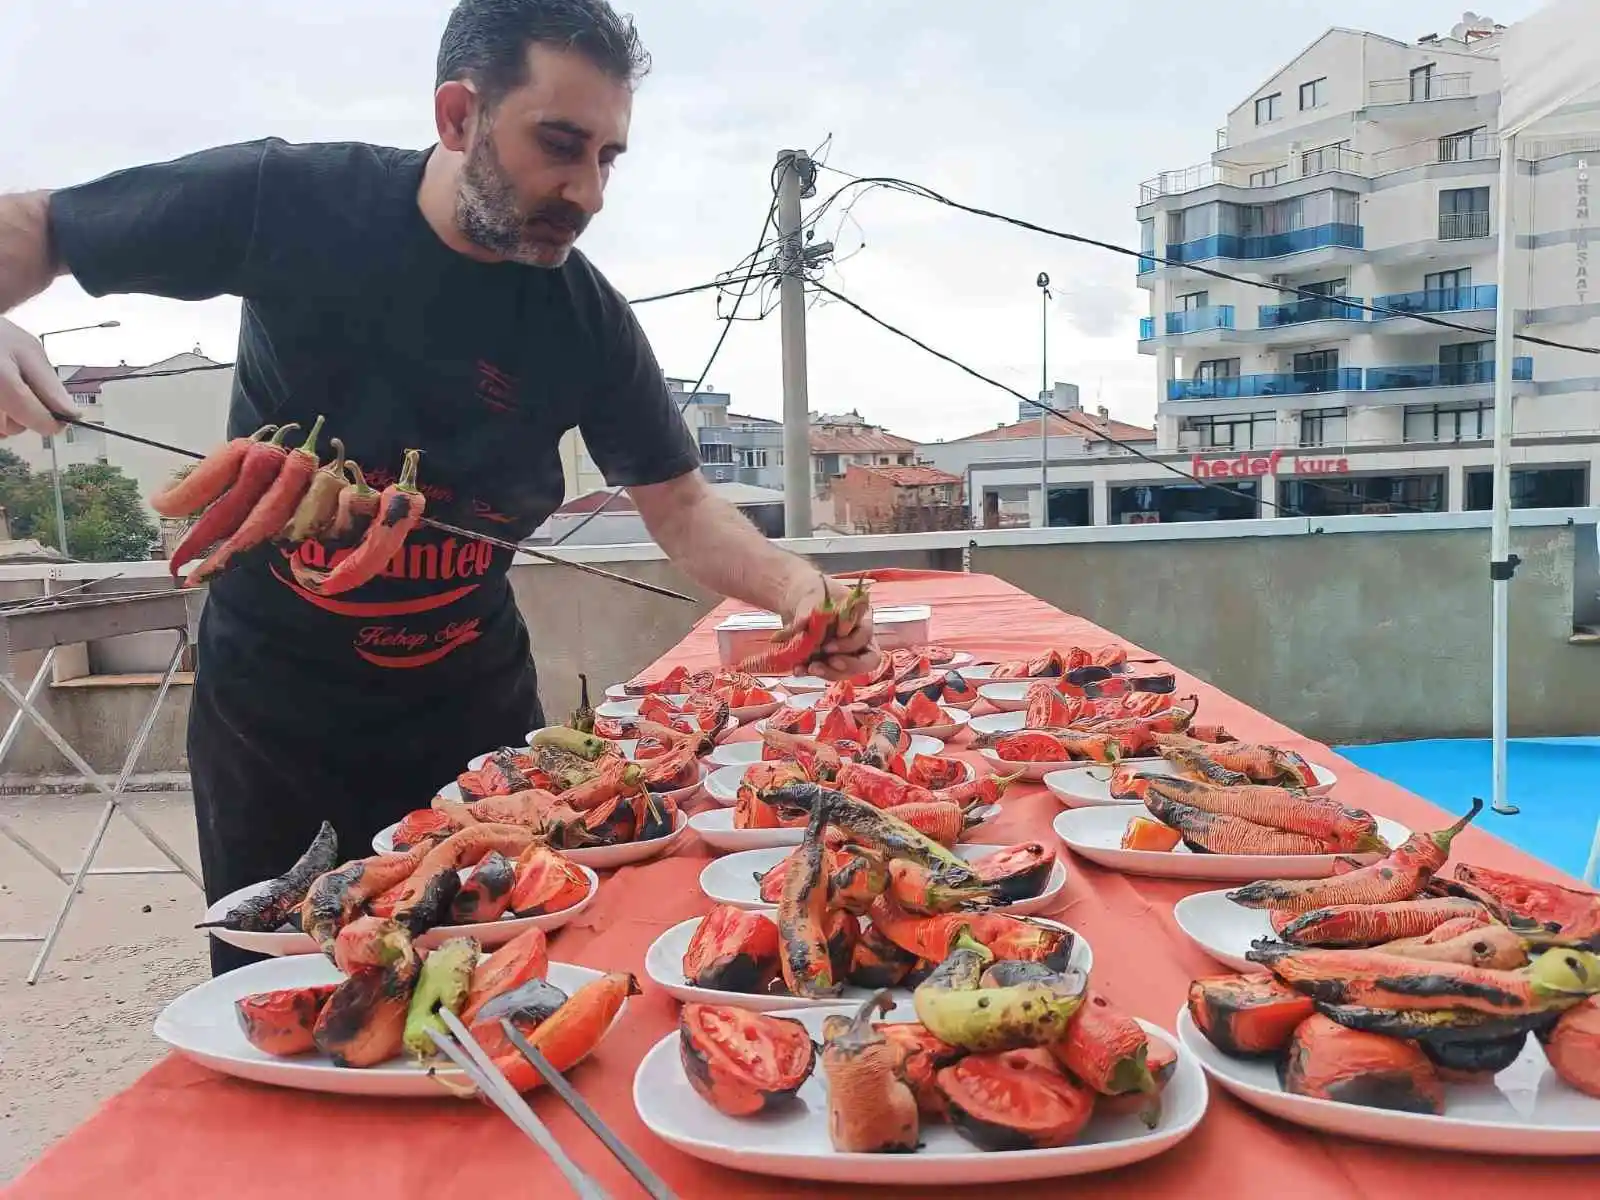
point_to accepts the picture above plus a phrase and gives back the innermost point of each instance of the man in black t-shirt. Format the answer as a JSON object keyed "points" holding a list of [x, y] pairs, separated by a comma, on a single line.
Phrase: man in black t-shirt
{"points": [[416, 299]]}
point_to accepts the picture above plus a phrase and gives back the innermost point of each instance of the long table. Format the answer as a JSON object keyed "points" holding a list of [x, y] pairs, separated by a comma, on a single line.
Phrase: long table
{"points": [[184, 1131]]}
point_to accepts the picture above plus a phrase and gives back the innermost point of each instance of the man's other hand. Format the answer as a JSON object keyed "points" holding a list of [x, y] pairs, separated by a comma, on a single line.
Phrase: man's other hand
{"points": [[857, 654]]}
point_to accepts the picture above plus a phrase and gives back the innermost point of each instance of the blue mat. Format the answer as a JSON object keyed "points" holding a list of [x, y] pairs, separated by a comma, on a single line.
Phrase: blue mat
{"points": [[1550, 779]]}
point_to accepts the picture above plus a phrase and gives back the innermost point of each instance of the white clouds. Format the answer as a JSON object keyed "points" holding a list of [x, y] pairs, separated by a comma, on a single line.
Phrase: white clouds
{"points": [[1049, 110]]}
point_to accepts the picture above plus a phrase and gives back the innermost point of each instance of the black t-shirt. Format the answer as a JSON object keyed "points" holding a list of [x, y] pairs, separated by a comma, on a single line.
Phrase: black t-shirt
{"points": [[353, 308]]}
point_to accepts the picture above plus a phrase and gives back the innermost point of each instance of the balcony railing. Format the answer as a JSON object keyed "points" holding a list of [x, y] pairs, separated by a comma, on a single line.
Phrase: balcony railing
{"points": [[1320, 308], [1417, 89], [1244, 387], [1454, 227], [1433, 375], [1329, 158], [1252, 175], [1439, 300], [1146, 265], [1147, 328], [1194, 320], [1272, 245]]}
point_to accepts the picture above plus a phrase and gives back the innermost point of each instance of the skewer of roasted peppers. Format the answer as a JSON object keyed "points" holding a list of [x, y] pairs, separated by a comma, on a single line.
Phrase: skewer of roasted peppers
{"points": [[399, 510]]}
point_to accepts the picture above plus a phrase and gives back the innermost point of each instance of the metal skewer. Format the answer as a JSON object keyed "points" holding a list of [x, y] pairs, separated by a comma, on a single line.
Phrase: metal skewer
{"points": [[470, 1057], [637, 1167], [500, 543]]}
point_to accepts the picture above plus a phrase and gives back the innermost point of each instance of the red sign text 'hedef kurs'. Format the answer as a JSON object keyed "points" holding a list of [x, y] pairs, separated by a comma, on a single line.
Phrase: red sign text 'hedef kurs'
{"points": [[1245, 465]]}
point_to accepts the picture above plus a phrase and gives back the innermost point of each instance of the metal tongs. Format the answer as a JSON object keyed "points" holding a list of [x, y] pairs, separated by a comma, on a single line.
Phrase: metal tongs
{"points": [[467, 1054]]}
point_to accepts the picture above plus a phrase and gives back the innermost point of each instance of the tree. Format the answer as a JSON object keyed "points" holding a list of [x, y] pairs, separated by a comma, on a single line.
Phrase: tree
{"points": [[106, 520]]}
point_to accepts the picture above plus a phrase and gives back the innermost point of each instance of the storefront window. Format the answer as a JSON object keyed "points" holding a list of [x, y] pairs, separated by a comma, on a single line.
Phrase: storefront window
{"points": [[1166, 503], [1071, 506], [1532, 487], [1353, 495], [1449, 422]]}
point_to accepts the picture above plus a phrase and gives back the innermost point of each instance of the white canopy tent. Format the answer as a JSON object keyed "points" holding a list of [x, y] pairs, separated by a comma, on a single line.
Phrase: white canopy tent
{"points": [[1550, 88]]}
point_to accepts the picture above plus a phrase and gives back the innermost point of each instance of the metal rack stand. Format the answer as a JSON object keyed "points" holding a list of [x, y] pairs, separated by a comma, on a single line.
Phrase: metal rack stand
{"points": [[48, 622]]}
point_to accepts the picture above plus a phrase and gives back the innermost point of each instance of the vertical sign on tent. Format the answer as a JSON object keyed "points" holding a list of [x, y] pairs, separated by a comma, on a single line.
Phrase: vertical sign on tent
{"points": [[1547, 64]]}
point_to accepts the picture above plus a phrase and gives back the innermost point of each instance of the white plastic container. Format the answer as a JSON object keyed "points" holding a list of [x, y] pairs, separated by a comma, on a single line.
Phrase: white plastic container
{"points": [[748, 633]]}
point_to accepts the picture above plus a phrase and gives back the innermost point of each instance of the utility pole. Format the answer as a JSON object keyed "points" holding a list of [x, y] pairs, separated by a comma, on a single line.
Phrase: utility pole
{"points": [[1043, 283], [796, 175]]}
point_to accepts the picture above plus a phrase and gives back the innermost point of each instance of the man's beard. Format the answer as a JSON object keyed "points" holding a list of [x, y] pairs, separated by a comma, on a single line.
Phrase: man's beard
{"points": [[491, 217]]}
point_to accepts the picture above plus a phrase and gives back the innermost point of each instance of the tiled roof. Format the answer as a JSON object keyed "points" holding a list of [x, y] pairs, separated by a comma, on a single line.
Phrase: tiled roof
{"points": [[86, 381], [911, 476], [1060, 427], [839, 440]]}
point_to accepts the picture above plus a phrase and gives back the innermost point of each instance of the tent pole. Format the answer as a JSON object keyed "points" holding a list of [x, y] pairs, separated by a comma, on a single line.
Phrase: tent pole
{"points": [[1501, 562]]}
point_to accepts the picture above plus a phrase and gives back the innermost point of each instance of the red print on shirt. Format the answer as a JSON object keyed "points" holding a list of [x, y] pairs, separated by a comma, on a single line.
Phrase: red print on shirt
{"points": [[496, 388]]}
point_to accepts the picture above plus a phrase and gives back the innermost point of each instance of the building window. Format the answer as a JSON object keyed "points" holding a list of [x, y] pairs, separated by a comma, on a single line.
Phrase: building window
{"points": [[1324, 158], [1364, 494], [1217, 368], [1531, 487], [1444, 288], [1190, 301], [1314, 94], [1449, 422], [713, 454], [70, 435], [1269, 108], [1465, 362], [45, 441], [1464, 146], [1422, 83], [1324, 426], [1268, 178], [1463, 213], [1145, 504], [1327, 287], [752, 458], [1234, 431]]}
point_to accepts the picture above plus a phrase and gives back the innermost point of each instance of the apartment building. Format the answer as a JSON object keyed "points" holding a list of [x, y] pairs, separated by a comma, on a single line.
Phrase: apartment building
{"points": [[1364, 171]]}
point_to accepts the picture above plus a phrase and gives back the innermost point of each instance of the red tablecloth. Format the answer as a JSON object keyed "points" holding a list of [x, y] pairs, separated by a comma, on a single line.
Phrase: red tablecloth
{"points": [[183, 1131]]}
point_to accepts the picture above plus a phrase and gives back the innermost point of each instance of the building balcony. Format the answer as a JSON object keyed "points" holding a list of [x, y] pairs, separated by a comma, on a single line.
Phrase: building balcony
{"points": [[1458, 227], [1247, 387], [1146, 265], [1196, 320], [1147, 328], [1439, 300], [1306, 165], [1320, 308], [1442, 375], [1418, 89], [1272, 245]]}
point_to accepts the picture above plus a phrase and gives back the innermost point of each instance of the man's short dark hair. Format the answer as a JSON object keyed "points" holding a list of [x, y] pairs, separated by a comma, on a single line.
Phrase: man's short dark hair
{"points": [[486, 41]]}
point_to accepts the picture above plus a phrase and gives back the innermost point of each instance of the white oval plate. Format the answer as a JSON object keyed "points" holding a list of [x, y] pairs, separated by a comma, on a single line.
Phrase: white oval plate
{"points": [[621, 709], [920, 743], [722, 784], [731, 879], [794, 683], [1529, 1110], [201, 1024], [488, 933], [663, 963], [803, 700], [734, 754], [596, 858], [978, 671], [957, 720], [1010, 695], [1222, 928], [1096, 833], [1035, 772], [1006, 722], [715, 827], [1090, 785], [793, 1142], [754, 712]]}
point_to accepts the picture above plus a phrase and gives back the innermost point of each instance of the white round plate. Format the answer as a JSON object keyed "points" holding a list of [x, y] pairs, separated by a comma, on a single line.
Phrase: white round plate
{"points": [[794, 683], [1011, 695], [1222, 928], [1528, 1110], [715, 827], [608, 858], [734, 754], [978, 671], [201, 1024], [489, 933], [793, 1141], [754, 712], [1006, 722], [663, 963], [722, 785], [452, 792], [622, 709], [1096, 833], [804, 700], [1089, 785], [619, 691], [732, 879], [1034, 772], [955, 722]]}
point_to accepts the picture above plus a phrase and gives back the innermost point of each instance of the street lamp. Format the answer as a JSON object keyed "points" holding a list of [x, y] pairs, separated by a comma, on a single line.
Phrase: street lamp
{"points": [[55, 468], [1043, 283]]}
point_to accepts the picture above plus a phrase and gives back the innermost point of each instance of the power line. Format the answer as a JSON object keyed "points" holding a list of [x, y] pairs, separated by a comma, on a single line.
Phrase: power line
{"points": [[727, 324], [1102, 434], [916, 189]]}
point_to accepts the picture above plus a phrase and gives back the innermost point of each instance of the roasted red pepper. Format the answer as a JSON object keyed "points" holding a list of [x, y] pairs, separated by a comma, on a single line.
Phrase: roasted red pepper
{"points": [[399, 510], [986, 789], [802, 642], [210, 478], [315, 514], [217, 523], [878, 788]]}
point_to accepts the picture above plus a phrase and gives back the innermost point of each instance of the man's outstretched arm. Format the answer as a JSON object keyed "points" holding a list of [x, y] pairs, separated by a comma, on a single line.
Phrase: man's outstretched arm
{"points": [[30, 392]]}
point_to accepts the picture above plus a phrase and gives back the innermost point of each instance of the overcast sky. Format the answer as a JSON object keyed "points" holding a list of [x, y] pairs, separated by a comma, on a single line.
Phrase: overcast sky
{"points": [[1050, 110]]}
